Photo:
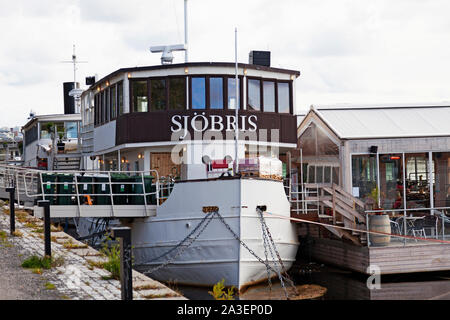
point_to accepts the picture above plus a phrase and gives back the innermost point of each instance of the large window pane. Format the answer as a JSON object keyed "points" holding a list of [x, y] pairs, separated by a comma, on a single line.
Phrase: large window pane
{"points": [[158, 94], [254, 94], [71, 130], [391, 181], [283, 97], [113, 102], [177, 94], [417, 180], [44, 133], [198, 93], [140, 99], [216, 93], [442, 179], [364, 175], [269, 96], [232, 93], [120, 97]]}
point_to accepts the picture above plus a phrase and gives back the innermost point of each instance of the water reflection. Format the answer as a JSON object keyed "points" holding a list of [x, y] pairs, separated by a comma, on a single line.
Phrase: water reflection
{"points": [[345, 285]]}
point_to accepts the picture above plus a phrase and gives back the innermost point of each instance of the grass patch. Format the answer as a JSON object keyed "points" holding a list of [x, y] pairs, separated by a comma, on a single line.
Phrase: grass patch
{"points": [[36, 270], [49, 286], [35, 262], [3, 235], [156, 296], [70, 245], [96, 264], [112, 252], [147, 287], [17, 233]]}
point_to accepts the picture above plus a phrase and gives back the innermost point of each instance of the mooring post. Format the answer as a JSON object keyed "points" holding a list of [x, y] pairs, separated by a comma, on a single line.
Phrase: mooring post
{"points": [[12, 213], [126, 280], [47, 238]]}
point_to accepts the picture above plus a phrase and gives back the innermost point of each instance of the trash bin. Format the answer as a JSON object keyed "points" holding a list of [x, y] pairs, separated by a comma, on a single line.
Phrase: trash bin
{"points": [[138, 190], [85, 187], [101, 186], [48, 181], [121, 185], [65, 186]]}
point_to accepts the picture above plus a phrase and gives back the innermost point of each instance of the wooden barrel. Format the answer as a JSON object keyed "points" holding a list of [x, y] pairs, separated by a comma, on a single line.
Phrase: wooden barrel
{"points": [[379, 223]]}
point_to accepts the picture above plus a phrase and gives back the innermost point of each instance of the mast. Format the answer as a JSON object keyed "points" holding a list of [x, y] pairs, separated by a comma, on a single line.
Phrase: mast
{"points": [[236, 128], [186, 58]]}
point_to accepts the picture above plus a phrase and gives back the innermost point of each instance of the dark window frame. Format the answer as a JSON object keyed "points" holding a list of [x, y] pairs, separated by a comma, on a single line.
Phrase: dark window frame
{"points": [[166, 93], [132, 94], [168, 78], [261, 87]]}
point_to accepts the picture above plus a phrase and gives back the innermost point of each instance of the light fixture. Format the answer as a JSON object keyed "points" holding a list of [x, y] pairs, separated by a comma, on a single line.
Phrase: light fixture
{"points": [[140, 156], [245, 71], [107, 83], [129, 75], [292, 77], [186, 70], [123, 160], [98, 89]]}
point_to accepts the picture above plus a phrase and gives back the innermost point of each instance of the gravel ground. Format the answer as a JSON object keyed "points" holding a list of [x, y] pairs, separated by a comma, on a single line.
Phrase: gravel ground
{"points": [[17, 283]]}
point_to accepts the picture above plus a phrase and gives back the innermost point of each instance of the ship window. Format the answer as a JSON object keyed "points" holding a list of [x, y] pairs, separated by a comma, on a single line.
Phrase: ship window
{"points": [[232, 93], [107, 105], [44, 132], [254, 94], [177, 94], [283, 97], [198, 93], [103, 107], [269, 96], [71, 130], [157, 94], [216, 93], [113, 102], [120, 97], [140, 99]]}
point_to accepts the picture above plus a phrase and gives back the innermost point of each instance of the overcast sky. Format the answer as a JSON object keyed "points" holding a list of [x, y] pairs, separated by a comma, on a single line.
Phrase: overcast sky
{"points": [[361, 51]]}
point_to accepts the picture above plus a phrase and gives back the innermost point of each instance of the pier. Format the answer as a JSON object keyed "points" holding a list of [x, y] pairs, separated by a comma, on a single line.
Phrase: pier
{"points": [[78, 275]]}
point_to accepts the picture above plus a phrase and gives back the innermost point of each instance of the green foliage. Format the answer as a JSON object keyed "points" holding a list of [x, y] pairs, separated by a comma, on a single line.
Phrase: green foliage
{"points": [[112, 252], [35, 262], [219, 292]]}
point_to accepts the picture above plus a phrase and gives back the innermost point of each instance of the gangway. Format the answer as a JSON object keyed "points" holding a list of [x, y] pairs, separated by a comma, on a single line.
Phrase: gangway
{"points": [[90, 194]]}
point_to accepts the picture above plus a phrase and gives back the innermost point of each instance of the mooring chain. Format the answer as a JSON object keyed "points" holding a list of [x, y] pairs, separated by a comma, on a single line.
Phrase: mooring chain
{"points": [[270, 244], [208, 216], [208, 219], [245, 246], [267, 232], [267, 260]]}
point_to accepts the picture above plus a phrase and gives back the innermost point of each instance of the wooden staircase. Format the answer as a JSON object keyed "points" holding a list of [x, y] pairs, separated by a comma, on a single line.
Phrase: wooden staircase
{"points": [[345, 213]]}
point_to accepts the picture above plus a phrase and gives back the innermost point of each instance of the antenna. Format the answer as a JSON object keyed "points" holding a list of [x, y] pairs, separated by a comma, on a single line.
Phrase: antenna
{"points": [[75, 92], [167, 56], [75, 62]]}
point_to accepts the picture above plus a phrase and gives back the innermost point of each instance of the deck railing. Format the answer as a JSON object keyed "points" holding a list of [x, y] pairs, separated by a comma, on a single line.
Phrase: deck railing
{"points": [[412, 225]]}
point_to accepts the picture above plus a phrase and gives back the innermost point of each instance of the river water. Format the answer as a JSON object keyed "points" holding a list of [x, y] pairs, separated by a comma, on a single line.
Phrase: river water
{"points": [[346, 285]]}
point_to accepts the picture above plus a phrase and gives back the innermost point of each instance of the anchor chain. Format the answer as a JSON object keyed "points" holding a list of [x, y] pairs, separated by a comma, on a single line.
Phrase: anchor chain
{"points": [[189, 242]]}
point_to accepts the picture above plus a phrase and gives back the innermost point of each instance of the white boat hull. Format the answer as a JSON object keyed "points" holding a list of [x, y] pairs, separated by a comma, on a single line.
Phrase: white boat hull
{"points": [[216, 254]]}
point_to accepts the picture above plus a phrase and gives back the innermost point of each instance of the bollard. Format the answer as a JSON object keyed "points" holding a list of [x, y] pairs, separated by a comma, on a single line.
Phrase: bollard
{"points": [[12, 213], [47, 238], [126, 280]]}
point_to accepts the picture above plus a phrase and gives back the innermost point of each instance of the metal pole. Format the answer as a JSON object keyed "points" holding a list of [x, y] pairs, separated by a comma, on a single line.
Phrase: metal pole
{"points": [[404, 197], [47, 241], [126, 280], [236, 129], [12, 214], [186, 57]]}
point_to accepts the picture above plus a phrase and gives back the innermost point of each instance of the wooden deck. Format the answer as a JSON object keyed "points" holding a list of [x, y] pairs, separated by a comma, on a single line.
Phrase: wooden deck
{"points": [[393, 259]]}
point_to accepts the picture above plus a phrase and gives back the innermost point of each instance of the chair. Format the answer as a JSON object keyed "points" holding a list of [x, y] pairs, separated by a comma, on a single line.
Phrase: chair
{"points": [[396, 229], [419, 233]]}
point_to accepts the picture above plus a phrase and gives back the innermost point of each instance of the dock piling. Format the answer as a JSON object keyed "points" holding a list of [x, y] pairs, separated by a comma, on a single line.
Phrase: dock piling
{"points": [[12, 213], [126, 280], [47, 239]]}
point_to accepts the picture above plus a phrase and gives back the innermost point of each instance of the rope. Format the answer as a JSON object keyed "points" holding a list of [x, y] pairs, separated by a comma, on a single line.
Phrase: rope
{"points": [[358, 230]]}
